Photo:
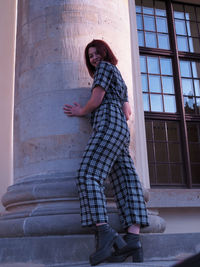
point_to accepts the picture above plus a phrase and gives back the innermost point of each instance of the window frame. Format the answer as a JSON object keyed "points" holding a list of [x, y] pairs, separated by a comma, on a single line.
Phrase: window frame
{"points": [[180, 116]]}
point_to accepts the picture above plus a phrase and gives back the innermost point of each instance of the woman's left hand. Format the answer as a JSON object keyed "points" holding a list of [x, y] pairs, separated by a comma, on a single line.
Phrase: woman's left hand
{"points": [[71, 111]]}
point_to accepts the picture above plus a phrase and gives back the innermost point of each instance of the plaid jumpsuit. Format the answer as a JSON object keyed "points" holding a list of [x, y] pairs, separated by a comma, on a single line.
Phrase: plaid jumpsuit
{"points": [[107, 154]]}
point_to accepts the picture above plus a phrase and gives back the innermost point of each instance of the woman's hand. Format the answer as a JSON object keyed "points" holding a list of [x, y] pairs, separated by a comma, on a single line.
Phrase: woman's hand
{"points": [[71, 111], [127, 110], [93, 103]]}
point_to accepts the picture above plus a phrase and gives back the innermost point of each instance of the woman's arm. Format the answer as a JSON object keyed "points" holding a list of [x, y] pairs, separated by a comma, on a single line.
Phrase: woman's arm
{"points": [[93, 103], [127, 110]]}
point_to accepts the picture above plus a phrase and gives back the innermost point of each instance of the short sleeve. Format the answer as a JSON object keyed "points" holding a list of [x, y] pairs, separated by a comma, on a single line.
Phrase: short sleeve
{"points": [[125, 98], [103, 75]]}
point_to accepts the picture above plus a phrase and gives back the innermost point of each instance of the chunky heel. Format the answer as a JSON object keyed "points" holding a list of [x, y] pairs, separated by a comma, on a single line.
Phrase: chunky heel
{"points": [[137, 255]]}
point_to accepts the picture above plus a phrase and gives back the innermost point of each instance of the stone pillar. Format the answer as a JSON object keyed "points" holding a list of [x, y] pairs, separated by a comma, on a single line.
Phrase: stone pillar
{"points": [[50, 71]]}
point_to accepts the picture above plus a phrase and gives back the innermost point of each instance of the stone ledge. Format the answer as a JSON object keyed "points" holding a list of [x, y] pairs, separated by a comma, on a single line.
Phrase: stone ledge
{"points": [[174, 198]]}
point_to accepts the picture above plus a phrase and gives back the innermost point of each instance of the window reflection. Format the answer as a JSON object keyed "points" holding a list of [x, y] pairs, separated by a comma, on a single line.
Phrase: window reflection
{"points": [[187, 85], [182, 43], [163, 41], [180, 27], [158, 86], [151, 39], [185, 68], [178, 11], [168, 85], [154, 84], [166, 66], [161, 25], [186, 25], [190, 73], [160, 8], [153, 65], [170, 103], [156, 103], [151, 22]]}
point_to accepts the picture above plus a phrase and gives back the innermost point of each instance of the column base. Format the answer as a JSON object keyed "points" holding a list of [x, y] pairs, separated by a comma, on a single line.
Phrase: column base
{"points": [[42, 206]]}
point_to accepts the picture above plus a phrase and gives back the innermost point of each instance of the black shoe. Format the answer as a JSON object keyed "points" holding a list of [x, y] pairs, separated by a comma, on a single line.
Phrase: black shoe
{"points": [[133, 248], [106, 237]]}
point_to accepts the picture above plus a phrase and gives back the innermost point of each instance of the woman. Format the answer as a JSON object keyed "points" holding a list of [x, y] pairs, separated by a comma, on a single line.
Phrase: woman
{"points": [[107, 153]]}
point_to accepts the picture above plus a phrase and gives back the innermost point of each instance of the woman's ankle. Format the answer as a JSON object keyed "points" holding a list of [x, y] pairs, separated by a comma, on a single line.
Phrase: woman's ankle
{"points": [[134, 229]]}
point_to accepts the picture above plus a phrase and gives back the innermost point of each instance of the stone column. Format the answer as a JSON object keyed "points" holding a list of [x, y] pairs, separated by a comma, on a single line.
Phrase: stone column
{"points": [[50, 71]]}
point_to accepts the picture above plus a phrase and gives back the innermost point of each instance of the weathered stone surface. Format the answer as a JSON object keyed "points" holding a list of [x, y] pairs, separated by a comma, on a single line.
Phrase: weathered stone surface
{"points": [[55, 249], [48, 145]]}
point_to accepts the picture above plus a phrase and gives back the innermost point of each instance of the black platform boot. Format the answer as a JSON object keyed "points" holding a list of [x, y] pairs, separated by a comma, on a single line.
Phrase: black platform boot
{"points": [[133, 248], [106, 237]]}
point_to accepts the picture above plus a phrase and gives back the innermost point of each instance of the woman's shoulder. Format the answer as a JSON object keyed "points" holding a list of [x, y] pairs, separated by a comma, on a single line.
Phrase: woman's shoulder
{"points": [[105, 65]]}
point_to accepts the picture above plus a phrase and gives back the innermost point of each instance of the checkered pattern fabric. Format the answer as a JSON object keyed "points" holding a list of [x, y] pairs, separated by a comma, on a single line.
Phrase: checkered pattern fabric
{"points": [[107, 154]]}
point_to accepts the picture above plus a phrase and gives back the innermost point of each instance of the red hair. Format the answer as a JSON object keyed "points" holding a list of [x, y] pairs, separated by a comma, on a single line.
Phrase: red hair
{"points": [[104, 50]]}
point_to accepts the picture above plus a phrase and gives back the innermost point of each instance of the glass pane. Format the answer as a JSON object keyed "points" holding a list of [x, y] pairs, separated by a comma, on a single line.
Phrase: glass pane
{"points": [[189, 104], [197, 87], [161, 152], [156, 103], [141, 38], [194, 152], [178, 11], [196, 69], [194, 45], [148, 6], [163, 173], [166, 66], [198, 13], [138, 6], [185, 68], [153, 65], [180, 27], [163, 41], [190, 13], [192, 29], [195, 168], [144, 83], [161, 25], [182, 43], [149, 23], [150, 152], [170, 103], [154, 84], [152, 173], [143, 66], [151, 39], [139, 22], [172, 131], [146, 102], [198, 105], [159, 131], [192, 130], [160, 8], [148, 126], [175, 152], [177, 174], [168, 85], [187, 85]]}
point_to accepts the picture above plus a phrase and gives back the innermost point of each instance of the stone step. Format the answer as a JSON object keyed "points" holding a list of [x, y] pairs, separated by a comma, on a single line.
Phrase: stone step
{"points": [[86, 264], [73, 250]]}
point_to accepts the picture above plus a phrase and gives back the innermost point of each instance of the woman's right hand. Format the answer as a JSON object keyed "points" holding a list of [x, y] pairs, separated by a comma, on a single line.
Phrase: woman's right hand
{"points": [[127, 110]]}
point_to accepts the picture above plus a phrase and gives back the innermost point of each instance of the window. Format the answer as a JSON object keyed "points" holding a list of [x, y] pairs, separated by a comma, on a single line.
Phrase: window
{"points": [[169, 43]]}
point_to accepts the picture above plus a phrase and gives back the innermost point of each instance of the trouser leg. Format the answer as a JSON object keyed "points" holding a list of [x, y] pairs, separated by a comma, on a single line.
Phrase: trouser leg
{"points": [[96, 164], [128, 191]]}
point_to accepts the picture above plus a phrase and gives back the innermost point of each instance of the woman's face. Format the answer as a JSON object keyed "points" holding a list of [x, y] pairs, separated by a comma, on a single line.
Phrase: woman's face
{"points": [[94, 56]]}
